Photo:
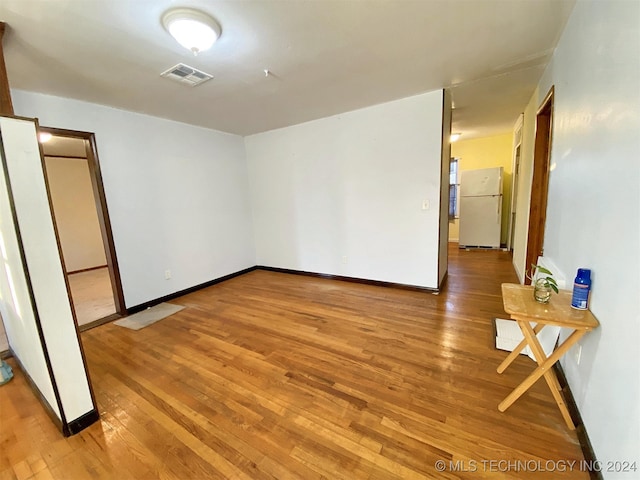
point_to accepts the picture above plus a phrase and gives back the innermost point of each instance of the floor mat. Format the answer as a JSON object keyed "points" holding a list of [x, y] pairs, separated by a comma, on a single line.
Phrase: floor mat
{"points": [[149, 316]]}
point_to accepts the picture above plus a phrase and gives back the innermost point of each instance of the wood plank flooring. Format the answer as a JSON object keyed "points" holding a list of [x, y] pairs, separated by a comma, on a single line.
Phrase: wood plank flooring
{"points": [[92, 295], [271, 375]]}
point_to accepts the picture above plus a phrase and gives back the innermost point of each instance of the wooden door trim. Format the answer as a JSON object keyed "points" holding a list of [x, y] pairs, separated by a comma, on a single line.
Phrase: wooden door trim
{"points": [[103, 213], [540, 181], [93, 415], [445, 144], [6, 105]]}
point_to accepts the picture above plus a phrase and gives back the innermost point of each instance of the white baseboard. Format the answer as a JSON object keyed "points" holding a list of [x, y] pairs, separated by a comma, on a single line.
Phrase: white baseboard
{"points": [[518, 272], [453, 240]]}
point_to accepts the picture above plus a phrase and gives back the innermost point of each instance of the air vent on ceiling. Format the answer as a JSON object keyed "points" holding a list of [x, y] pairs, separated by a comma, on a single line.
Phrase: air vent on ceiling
{"points": [[186, 75]]}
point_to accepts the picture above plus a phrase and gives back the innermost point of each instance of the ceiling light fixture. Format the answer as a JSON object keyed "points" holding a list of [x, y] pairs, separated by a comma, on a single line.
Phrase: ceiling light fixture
{"points": [[44, 137], [454, 137], [194, 30]]}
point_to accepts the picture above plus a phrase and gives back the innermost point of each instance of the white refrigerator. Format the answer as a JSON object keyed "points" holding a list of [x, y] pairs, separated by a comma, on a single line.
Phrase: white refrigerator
{"points": [[480, 207]]}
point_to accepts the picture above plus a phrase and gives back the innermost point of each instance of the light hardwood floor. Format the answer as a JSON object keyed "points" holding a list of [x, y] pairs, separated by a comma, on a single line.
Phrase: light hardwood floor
{"points": [[92, 295], [270, 375]]}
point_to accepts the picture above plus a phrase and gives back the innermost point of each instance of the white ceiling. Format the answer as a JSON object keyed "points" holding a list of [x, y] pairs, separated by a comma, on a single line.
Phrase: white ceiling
{"points": [[326, 57]]}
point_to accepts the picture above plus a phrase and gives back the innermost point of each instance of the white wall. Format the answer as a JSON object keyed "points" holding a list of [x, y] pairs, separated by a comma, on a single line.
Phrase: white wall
{"points": [[18, 314], [44, 265], [525, 180], [177, 194], [343, 195], [75, 210], [593, 215]]}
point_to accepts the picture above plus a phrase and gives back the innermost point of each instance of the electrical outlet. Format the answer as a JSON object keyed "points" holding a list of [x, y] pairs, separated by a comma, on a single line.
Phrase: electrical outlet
{"points": [[167, 274], [577, 353], [345, 260]]}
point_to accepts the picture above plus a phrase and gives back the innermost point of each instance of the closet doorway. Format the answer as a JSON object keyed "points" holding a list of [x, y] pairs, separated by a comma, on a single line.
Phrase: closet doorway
{"points": [[80, 213]]}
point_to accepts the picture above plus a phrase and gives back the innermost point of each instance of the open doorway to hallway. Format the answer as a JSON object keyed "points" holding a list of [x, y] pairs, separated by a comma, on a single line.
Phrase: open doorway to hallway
{"points": [[540, 182], [79, 208]]}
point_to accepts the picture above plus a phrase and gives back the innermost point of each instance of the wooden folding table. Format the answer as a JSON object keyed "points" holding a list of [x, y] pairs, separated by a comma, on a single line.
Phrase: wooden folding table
{"points": [[520, 304]]}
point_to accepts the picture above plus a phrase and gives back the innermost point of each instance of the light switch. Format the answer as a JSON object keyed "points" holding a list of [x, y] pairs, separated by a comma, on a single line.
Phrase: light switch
{"points": [[425, 205]]}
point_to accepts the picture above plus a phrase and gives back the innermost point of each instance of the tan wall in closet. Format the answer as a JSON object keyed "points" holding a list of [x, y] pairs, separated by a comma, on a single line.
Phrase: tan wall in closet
{"points": [[75, 212]]}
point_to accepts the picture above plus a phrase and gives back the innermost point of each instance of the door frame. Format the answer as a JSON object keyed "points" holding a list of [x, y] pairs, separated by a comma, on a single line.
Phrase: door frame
{"points": [[103, 218], [540, 182], [515, 178]]}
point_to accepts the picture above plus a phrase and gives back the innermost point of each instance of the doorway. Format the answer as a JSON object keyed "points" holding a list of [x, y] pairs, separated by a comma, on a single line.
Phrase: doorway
{"points": [[515, 180], [514, 196], [80, 213], [540, 182]]}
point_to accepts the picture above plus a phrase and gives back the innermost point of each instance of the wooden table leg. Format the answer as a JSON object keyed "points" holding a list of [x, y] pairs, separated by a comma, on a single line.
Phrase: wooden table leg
{"points": [[516, 351], [549, 375], [544, 365]]}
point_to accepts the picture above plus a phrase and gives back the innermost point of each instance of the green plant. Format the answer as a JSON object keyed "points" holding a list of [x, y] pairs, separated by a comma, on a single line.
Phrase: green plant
{"points": [[536, 275]]}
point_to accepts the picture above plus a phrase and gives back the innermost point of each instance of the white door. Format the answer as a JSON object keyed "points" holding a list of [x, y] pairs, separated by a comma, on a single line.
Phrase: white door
{"points": [[485, 181], [480, 221]]}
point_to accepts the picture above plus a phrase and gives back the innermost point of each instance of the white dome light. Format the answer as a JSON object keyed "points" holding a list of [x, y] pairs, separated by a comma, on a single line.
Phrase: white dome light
{"points": [[194, 30]]}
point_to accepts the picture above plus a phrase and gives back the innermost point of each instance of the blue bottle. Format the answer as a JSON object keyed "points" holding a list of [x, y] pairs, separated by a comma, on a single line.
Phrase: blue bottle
{"points": [[581, 289]]}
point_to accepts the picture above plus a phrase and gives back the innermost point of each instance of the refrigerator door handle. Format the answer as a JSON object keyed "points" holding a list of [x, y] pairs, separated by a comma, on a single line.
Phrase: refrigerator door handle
{"points": [[499, 212]]}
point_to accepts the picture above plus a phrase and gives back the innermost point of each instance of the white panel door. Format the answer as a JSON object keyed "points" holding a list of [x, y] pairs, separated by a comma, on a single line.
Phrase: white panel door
{"points": [[485, 181], [480, 219]]}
